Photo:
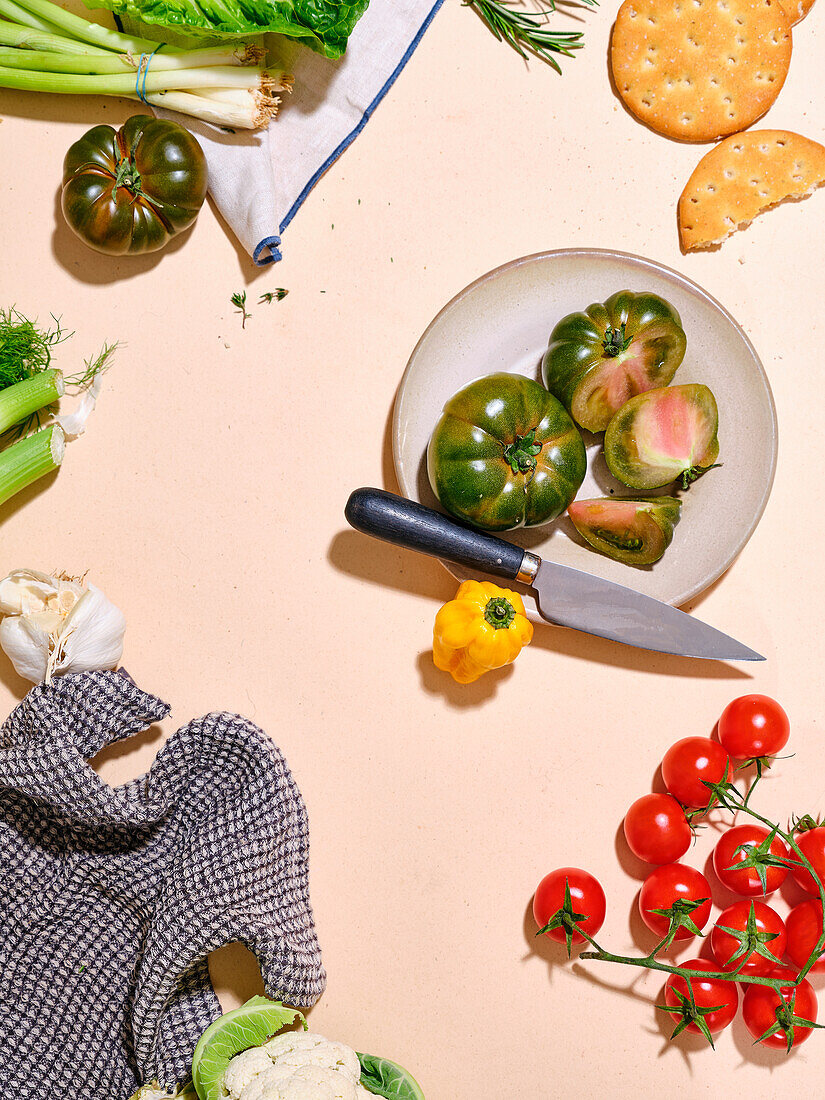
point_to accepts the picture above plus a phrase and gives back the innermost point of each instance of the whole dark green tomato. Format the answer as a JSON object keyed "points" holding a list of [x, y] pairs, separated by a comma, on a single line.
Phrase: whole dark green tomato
{"points": [[505, 454], [131, 190]]}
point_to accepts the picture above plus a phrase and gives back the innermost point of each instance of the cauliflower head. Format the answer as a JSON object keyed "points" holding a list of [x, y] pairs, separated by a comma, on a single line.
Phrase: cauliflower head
{"points": [[297, 1065]]}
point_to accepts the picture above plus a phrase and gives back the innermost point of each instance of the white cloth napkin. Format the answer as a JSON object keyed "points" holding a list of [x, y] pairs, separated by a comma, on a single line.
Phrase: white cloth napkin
{"points": [[259, 180]]}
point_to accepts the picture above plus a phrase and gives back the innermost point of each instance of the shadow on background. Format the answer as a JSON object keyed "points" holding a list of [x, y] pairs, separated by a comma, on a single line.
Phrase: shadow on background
{"points": [[122, 749]]}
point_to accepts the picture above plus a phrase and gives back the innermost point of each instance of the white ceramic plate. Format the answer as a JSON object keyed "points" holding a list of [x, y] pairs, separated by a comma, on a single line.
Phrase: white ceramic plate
{"points": [[502, 322]]}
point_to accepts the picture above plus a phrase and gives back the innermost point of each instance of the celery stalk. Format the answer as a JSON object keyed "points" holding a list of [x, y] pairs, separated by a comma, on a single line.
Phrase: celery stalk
{"points": [[20, 401], [30, 459]]}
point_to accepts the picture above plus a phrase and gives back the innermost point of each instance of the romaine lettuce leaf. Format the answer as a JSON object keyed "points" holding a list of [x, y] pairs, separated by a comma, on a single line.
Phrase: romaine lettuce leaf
{"points": [[323, 25]]}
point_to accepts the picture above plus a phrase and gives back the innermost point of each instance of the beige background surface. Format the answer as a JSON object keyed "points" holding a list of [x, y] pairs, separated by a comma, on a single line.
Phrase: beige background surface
{"points": [[207, 501]]}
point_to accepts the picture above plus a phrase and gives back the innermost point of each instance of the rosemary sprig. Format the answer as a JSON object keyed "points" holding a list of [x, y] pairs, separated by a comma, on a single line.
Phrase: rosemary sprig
{"points": [[524, 31]]}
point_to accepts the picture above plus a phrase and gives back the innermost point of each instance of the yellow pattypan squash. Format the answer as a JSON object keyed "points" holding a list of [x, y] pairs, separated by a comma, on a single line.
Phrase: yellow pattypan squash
{"points": [[483, 628]]}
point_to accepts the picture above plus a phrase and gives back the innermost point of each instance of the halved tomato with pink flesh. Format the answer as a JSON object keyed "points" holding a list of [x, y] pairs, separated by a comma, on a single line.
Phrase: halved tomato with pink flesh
{"points": [[636, 532], [663, 435], [599, 359]]}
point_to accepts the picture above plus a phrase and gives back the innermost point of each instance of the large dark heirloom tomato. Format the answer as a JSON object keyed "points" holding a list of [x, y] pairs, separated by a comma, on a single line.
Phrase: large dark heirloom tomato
{"points": [[505, 454], [131, 190]]}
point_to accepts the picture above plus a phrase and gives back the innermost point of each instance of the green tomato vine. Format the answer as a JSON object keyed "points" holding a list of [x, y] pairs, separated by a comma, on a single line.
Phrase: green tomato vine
{"points": [[727, 796]]}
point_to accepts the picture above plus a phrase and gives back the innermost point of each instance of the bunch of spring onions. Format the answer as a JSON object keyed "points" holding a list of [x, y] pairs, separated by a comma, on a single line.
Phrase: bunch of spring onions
{"points": [[46, 49], [29, 391]]}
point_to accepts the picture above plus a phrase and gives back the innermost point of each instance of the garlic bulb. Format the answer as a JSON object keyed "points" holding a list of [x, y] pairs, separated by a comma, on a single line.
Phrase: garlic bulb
{"points": [[55, 625]]}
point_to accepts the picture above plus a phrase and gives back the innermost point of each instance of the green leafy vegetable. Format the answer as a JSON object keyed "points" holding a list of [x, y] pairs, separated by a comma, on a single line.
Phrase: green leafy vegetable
{"points": [[524, 31], [248, 1026], [25, 350], [271, 296], [384, 1078], [323, 25]]}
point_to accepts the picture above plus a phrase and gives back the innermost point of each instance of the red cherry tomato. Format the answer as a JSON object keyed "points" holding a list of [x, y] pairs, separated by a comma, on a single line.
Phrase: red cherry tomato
{"points": [[670, 884], [688, 763], [804, 927], [707, 993], [812, 844], [746, 880], [725, 946], [586, 895], [656, 829], [754, 725], [760, 1003]]}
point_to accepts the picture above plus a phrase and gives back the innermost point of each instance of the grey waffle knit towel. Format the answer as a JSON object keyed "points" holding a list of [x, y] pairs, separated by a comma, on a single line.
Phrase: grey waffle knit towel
{"points": [[111, 898]]}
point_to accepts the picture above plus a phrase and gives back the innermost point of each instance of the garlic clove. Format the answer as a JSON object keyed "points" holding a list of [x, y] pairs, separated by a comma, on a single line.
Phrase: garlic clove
{"points": [[27, 646], [91, 636], [25, 590]]}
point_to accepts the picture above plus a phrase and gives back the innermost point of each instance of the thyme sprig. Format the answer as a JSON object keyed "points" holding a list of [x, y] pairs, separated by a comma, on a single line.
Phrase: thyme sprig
{"points": [[238, 300], [271, 296], [524, 31]]}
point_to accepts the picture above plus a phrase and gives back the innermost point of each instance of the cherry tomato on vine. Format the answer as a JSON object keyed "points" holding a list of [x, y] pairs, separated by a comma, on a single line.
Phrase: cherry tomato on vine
{"points": [[677, 885], [747, 880], [764, 931], [586, 897], [804, 927], [656, 829], [753, 725], [690, 761], [721, 997], [812, 843], [760, 1004]]}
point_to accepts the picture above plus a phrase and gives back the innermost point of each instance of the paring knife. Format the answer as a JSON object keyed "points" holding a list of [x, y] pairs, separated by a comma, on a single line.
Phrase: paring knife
{"points": [[565, 596]]}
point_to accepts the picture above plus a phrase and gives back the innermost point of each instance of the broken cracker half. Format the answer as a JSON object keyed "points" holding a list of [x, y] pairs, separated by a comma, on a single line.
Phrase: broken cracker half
{"points": [[743, 176], [796, 10]]}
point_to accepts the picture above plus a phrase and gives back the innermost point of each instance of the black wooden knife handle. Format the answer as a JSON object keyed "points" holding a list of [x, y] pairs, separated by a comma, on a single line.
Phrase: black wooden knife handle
{"points": [[406, 523]]}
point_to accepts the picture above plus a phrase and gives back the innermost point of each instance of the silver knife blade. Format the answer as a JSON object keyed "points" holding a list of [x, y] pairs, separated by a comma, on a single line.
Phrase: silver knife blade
{"points": [[569, 597]]}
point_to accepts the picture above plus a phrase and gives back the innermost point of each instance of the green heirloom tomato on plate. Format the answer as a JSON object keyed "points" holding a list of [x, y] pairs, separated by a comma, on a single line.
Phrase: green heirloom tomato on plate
{"points": [[505, 454], [662, 435], [131, 190], [599, 359], [636, 532]]}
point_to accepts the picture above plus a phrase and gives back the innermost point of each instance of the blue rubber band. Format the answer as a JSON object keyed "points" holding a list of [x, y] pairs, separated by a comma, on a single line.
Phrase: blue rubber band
{"points": [[143, 69]]}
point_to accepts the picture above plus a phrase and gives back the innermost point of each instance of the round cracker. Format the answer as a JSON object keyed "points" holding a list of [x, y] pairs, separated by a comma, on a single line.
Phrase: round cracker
{"points": [[796, 10], [698, 70], [742, 176]]}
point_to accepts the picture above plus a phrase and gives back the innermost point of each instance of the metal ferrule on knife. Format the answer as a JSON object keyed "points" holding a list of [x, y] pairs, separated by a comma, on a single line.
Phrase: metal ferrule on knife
{"points": [[529, 568]]}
